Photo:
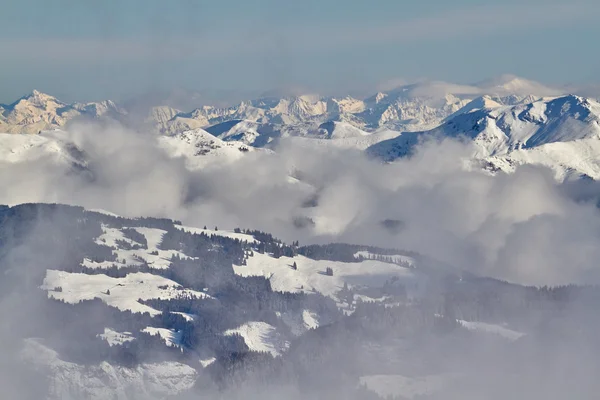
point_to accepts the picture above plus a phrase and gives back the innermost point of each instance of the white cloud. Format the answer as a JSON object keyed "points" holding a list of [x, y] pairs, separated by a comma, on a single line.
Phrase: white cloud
{"points": [[521, 227]]}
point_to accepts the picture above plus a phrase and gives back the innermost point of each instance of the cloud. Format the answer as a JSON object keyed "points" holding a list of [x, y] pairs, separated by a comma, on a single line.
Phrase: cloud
{"points": [[522, 227]]}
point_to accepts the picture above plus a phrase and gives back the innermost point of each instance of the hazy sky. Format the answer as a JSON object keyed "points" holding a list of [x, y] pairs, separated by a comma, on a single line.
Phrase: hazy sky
{"points": [[83, 50]]}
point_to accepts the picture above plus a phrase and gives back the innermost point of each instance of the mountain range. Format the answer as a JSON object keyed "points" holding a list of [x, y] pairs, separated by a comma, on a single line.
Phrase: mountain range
{"points": [[410, 107], [518, 122]]}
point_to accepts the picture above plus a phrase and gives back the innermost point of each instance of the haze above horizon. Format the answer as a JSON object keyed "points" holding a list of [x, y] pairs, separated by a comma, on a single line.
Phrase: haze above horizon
{"points": [[91, 51]]}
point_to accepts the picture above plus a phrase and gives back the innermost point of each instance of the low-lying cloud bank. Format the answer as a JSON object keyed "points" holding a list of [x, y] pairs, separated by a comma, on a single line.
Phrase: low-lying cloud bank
{"points": [[522, 227]]}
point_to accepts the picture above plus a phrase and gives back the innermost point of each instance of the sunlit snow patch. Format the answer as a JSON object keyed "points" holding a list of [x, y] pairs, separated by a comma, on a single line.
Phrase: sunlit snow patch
{"points": [[172, 338], [205, 363], [115, 338], [135, 254], [186, 316], [300, 322], [122, 293], [310, 275], [260, 336]]}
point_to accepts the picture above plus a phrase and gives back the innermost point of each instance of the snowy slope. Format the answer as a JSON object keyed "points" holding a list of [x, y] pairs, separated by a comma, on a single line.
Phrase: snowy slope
{"points": [[135, 253], [121, 293], [104, 381], [50, 146], [260, 336], [171, 337], [310, 274], [340, 130], [199, 148]]}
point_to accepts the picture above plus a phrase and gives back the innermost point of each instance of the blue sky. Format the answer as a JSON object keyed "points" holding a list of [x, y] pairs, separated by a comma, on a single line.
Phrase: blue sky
{"points": [[82, 50]]}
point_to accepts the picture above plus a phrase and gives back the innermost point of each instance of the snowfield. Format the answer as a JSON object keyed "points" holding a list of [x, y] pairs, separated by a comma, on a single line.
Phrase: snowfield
{"points": [[121, 293], [260, 336], [310, 275], [153, 256]]}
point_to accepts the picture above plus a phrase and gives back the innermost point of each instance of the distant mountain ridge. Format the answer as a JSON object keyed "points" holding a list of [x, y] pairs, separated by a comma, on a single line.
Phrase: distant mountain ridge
{"points": [[39, 111]]}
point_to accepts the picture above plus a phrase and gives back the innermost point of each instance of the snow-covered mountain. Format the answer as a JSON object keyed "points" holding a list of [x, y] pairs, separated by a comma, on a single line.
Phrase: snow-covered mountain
{"points": [[147, 308], [510, 126], [562, 133], [413, 107], [397, 109], [507, 129]]}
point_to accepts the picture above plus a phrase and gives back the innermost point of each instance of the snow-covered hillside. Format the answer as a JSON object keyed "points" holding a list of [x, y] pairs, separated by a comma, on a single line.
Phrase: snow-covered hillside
{"points": [[200, 149], [124, 294], [310, 275], [149, 308], [50, 146]]}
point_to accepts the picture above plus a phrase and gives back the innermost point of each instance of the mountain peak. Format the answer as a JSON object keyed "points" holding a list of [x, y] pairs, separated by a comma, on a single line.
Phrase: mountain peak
{"points": [[37, 95], [36, 98]]}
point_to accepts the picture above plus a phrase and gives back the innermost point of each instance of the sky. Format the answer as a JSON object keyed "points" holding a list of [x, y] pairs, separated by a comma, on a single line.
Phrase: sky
{"points": [[119, 49]]}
